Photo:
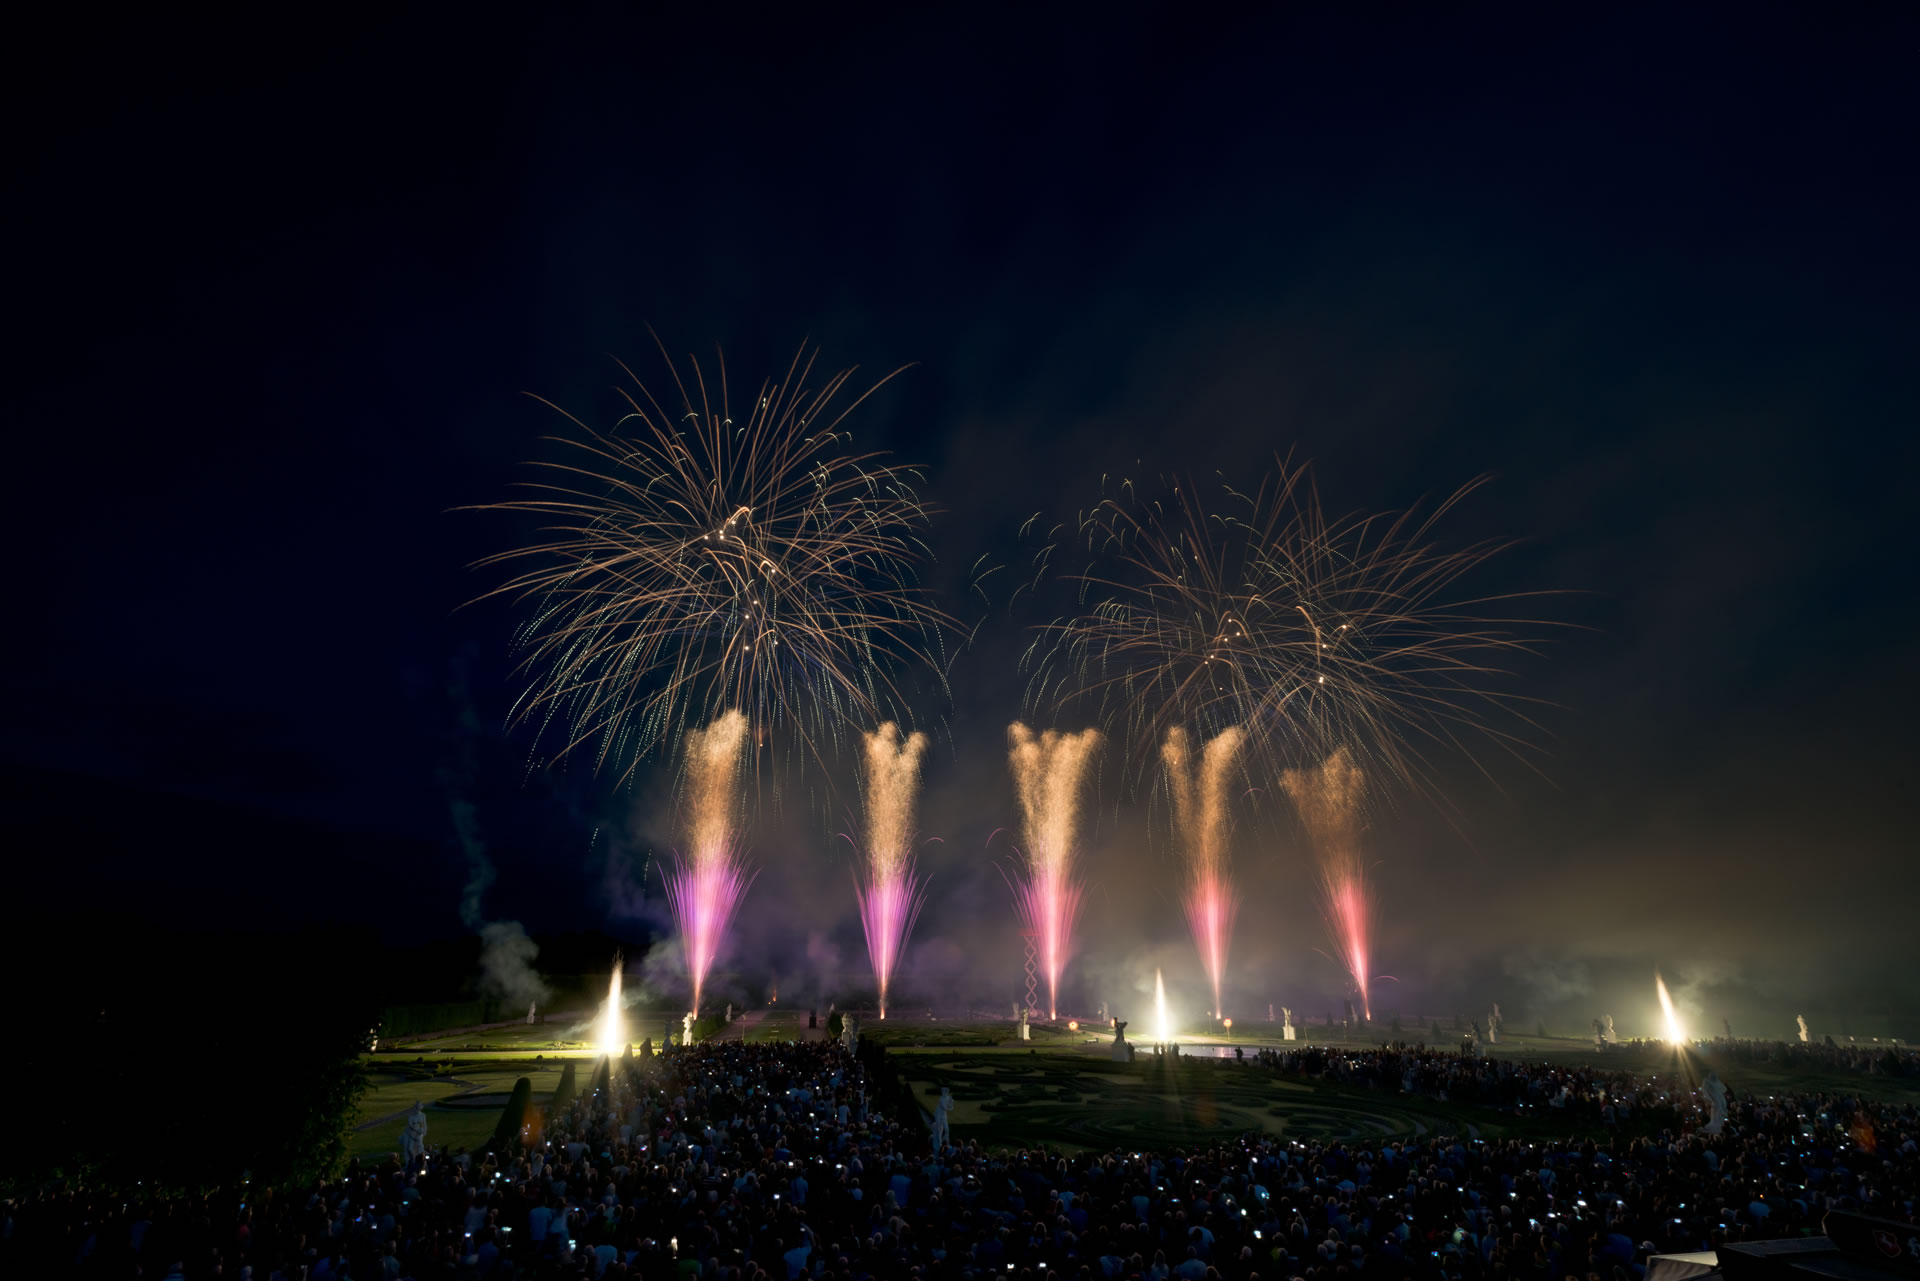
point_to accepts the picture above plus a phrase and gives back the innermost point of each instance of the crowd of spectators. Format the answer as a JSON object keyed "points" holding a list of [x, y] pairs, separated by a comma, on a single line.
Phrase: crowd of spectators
{"points": [[788, 1161]]}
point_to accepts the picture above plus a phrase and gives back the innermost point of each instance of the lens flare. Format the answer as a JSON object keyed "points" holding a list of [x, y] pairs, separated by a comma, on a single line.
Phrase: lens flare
{"points": [[1669, 1017], [1049, 771], [704, 889], [889, 892], [1328, 801], [613, 1020], [1203, 828]]}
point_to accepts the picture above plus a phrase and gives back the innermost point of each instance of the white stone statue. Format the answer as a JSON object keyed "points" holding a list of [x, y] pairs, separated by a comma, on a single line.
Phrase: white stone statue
{"points": [[686, 1028], [1801, 1019], [1286, 1024], [850, 1031], [1493, 1025], [1611, 1038], [413, 1139], [530, 1007], [1024, 1035], [729, 1011], [1716, 1091], [940, 1111]]}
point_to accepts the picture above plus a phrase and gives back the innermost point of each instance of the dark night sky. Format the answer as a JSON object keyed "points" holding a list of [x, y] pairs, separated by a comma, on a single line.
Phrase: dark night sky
{"points": [[278, 293]]}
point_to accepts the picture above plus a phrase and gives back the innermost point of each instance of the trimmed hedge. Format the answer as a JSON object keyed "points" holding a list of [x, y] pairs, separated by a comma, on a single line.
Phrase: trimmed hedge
{"points": [[563, 1093], [513, 1117]]}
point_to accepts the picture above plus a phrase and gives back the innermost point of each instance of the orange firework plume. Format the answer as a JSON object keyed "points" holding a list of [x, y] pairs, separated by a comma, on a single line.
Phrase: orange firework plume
{"points": [[692, 564], [1203, 828], [1328, 801]]}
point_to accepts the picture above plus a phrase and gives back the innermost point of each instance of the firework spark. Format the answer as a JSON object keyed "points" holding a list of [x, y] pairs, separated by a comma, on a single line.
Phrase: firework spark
{"points": [[1203, 828], [705, 888], [1309, 633], [693, 564], [889, 893], [1328, 800], [1049, 771]]}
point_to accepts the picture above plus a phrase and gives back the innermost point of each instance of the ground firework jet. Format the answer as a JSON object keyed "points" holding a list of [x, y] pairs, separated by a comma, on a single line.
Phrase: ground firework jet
{"points": [[1203, 828], [888, 890], [1049, 771], [1328, 801], [706, 886], [612, 1032]]}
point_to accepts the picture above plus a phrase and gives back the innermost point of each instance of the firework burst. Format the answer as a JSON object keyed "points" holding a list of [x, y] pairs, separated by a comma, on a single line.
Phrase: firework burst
{"points": [[1050, 771], [1261, 612], [692, 564], [889, 892], [1203, 827]]}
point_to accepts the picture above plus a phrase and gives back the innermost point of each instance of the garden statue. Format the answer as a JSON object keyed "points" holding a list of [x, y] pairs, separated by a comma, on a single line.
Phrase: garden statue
{"points": [[1716, 1091], [413, 1139], [530, 1005], [1801, 1019], [686, 1028], [940, 1111], [1286, 1024]]}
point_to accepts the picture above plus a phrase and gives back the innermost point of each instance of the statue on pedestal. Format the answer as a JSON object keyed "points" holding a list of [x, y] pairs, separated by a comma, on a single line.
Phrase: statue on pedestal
{"points": [[1024, 1035], [686, 1028], [940, 1111], [1716, 1091], [1493, 1025], [413, 1139], [1611, 1038], [1801, 1019], [530, 1005], [1120, 1051], [1286, 1024], [729, 1017], [850, 1031]]}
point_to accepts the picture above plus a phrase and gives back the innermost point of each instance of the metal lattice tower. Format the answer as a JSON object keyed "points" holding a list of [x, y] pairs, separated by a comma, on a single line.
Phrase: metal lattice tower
{"points": [[1033, 972]]}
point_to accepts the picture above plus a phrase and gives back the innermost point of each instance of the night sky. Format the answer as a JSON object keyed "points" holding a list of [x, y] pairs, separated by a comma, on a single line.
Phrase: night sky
{"points": [[279, 293]]}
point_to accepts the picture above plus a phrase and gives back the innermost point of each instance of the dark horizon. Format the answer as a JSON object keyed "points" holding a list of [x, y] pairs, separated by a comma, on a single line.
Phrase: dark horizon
{"points": [[1656, 281]]}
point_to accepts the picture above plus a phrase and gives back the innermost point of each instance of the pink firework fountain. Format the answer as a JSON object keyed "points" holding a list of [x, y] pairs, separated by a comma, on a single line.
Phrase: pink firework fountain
{"points": [[1203, 827], [705, 888], [887, 888], [1348, 913], [1049, 770], [1328, 801]]}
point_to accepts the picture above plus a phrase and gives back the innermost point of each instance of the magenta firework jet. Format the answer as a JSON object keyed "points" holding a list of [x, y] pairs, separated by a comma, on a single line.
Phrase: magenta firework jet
{"points": [[1049, 770], [706, 887], [1328, 802], [1203, 829], [1347, 916], [889, 892]]}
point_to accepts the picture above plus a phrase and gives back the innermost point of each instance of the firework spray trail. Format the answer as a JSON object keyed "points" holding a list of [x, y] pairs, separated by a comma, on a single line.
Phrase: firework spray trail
{"points": [[705, 888], [1203, 828], [889, 894], [1328, 802], [613, 1020], [1676, 1032], [1049, 771]]}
